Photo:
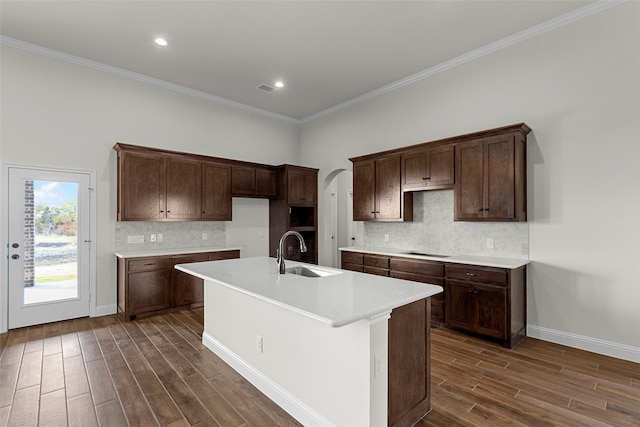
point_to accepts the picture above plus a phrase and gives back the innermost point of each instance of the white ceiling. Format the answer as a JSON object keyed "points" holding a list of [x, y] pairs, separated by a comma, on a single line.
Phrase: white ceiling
{"points": [[328, 53]]}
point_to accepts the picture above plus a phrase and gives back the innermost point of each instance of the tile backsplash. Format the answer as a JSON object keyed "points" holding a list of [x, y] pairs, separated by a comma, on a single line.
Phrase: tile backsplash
{"points": [[175, 235], [433, 230]]}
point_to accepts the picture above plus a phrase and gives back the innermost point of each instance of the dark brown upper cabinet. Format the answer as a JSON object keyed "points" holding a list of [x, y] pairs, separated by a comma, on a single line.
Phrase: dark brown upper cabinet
{"points": [[250, 181], [302, 186], [154, 187], [486, 169], [491, 179], [216, 192], [377, 192], [429, 169]]}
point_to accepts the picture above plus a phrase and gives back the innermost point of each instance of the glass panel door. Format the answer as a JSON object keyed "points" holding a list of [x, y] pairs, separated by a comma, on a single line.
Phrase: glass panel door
{"points": [[48, 246]]}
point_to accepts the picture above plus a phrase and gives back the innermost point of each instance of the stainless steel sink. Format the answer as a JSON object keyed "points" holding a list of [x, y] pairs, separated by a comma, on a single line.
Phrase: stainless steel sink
{"points": [[426, 254], [309, 272]]}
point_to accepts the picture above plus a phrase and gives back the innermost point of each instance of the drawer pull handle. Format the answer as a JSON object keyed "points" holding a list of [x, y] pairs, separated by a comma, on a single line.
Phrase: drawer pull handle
{"points": [[474, 291], [151, 263], [473, 274]]}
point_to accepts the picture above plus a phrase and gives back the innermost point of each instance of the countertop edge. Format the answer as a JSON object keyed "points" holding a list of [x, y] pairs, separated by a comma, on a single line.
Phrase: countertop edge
{"points": [[334, 323], [484, 261], [179, 251]]}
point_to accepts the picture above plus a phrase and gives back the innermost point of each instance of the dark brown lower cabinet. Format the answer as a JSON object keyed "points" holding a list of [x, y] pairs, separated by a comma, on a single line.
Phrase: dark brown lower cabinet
{"points": [[409, 394], [185, 288], [487, 301], [150, 284]]}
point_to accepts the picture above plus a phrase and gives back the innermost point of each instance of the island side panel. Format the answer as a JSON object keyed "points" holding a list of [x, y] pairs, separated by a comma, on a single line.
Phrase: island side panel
{"points": [[409, 363], [327, 371]]}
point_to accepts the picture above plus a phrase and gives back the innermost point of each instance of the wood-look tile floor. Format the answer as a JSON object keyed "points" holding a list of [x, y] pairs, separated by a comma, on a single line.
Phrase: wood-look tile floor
{"points": [[155, 371]]}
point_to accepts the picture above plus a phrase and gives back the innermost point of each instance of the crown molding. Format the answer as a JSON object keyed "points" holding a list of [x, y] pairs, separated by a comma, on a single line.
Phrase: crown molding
{"points": [[511, 40], [516, 38], [98, 66]]}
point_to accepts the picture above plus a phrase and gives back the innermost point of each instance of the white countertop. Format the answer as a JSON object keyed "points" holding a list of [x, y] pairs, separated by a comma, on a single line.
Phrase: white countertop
{"points": [[169, 251], [336, 300], [457, 259]]}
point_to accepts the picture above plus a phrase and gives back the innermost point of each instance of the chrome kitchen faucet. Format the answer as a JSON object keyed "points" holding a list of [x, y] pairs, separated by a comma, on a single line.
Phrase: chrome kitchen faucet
{"points": [[280, 250]]}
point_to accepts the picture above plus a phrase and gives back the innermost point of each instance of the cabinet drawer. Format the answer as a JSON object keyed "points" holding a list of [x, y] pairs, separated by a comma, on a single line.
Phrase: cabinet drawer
{"points": [[148, 264], [417, 277], [220, 255], [377, 271], [494, 276], [414, 266], [185, 259], [376, 261], [353, 267], [352, 258]]}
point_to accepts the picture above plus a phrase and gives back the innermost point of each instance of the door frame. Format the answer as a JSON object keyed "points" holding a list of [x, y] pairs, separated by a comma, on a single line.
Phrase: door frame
{"points": [[4, 279]]}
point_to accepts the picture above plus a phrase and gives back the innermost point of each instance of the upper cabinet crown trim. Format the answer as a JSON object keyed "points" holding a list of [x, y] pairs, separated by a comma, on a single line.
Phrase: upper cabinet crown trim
{"points": [[519, 127]]}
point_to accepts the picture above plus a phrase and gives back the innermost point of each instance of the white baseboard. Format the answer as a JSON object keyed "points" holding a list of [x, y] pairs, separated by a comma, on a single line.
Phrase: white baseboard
{"points": [[594, 345], [104, 310], [289, 403]]}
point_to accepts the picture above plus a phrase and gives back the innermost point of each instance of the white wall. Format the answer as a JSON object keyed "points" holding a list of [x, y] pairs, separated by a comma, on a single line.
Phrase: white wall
{"points": [[58, 114], [578, 87]]}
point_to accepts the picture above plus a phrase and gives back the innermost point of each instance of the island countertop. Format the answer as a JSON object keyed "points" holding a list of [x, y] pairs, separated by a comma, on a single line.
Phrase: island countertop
{"points": [[339, 299]]}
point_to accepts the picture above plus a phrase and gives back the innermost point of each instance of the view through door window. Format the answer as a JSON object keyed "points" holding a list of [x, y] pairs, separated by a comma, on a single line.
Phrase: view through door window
{"points": [[50, 241]]}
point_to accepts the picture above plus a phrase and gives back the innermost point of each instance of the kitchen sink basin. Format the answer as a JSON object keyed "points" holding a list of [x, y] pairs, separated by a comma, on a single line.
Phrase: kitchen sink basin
{"points": [[310, 272], [426, 254]]}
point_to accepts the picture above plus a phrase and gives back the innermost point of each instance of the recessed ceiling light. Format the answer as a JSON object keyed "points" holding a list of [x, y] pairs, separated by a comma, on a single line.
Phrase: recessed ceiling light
{"points": [[279, 84], [161, 42]]}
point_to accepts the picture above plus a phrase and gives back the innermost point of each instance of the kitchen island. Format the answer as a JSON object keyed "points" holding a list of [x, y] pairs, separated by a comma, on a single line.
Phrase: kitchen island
{"points": [[343, 349]]}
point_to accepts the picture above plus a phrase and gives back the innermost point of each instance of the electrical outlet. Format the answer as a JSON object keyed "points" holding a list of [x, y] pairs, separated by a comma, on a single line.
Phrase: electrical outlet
{"points": [[489, 243], [386, 237], [152, 239], [204, 236], [159, 237], [259, 344], [135, 239]]}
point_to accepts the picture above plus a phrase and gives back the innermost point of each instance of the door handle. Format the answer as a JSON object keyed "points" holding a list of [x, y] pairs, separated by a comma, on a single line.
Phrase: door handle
{"points": [[15, 256]]}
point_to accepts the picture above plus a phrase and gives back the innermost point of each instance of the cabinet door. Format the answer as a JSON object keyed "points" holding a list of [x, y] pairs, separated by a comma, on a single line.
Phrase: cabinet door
{"points": [[500, 188], [148, 291], [415, 170], [187, 289], [266, 183], [458, 304], [428, 169], [441, 167], [468, 190], [243, 181], [141, 187], [216, 192], [364, 190], [388, 198], [302, 186], [184, 191], [491, 310]]}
